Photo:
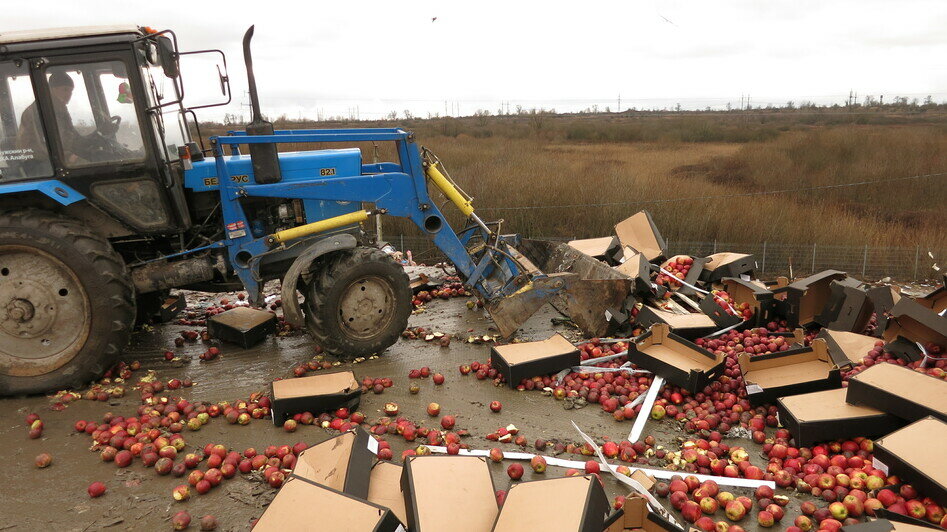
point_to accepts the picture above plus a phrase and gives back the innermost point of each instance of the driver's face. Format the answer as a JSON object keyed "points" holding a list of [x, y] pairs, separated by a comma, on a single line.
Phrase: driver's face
{"points": [[63, 94]]}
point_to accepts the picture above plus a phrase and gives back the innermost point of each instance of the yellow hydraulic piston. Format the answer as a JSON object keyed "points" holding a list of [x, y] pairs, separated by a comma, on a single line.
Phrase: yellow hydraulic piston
{"points": [[449, 190], [320, 226]]}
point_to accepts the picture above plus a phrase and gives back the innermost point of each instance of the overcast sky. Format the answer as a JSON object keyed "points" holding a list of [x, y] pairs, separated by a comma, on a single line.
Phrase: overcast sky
{"points": [[315, 57]]}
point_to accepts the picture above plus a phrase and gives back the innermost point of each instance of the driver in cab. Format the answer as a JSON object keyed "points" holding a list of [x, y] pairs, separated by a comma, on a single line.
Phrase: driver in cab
{"points": [[30, 134]]}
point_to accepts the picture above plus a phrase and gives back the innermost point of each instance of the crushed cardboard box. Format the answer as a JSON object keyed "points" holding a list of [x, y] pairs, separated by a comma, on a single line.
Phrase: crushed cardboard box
{"points": [[343, 463], [720, 265], [689, 325], [847, 348], [912, 323], [607, 249], [640, 233], [849, 308], [807, 297], [384, 488]]}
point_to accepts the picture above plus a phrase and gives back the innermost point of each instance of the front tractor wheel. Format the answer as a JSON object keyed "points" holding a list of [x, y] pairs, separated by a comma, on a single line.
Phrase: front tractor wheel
{"points": [[358, 302], [66, 303]]}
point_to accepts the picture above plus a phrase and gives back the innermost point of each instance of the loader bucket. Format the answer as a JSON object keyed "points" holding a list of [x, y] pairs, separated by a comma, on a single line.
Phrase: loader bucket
{"points": [[590, 288]]}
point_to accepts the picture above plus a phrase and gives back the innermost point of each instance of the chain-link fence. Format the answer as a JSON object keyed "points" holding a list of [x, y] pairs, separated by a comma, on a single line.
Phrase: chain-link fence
{"points": [[772, 259]]}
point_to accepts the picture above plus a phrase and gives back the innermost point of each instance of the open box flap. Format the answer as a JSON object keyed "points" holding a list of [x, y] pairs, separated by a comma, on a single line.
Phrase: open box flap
{"points": [[596, 247], [524, 352], [437, 487], [299, 504], [827, 405], [847, 347], [342, 463], [579, 504], [900, 391], [384, 489], [641, 234], [917, 323]]}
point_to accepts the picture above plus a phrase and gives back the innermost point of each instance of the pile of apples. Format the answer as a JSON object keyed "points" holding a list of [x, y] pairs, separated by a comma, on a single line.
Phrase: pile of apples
{"points": [[678, 267], [731, 307], [755, 341], [452, 287]]}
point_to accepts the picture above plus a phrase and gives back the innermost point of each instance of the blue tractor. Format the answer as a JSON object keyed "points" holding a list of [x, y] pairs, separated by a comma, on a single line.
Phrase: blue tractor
{"points": [[106, 203]]}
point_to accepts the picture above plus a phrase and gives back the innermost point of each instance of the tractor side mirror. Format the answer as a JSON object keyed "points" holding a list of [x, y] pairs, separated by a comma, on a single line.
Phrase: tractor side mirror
{"points": [[169, 59]]}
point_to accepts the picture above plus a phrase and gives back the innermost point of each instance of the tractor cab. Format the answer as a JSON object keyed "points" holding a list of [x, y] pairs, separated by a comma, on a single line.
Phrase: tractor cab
{"points": [[99, 109]]}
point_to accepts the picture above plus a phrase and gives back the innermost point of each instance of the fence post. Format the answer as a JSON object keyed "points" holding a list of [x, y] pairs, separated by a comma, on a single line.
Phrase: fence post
{"points": [[715, 245], [865, 261], [402, 243], [813, 258], [917, 254], [764, 257]]}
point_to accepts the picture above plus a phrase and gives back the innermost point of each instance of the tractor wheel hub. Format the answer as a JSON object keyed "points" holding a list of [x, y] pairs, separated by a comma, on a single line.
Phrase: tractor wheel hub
{"points": [[366, 306]]}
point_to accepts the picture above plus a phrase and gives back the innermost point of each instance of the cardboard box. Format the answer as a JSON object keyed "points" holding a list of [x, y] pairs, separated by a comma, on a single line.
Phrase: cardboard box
{"points": [[792, 372], [915, 454], [529, 359], [720, 265], [638, 268], [806, 297], [243, 326], [900, 391], [578, 504], [915, 323], [885, 525], [756, 295], [690, 326], [936, 300], [675, 358], [343, 463], [606, 249], [171, 306], [825, 416], [641, 234], [847, 348], [302, 505], [384, 488], [883, 299], [900, 519], [319, 393], [849, 308], [720, 317], [448, 492]]}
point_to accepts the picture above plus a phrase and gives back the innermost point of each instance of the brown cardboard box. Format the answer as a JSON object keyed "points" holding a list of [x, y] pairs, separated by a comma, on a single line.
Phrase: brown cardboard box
{"points": [[915, 453], [936, 299], [793, 372], [578, 504], [243, 326], [528, 359], [689, 325], [915, 323], [606, 249], [641, 234], [824, 416], [678, 360], [847, 348], [316, 394], [384, 489], [900, 391], [302, 506], [342, 463], [447, 492], [883, 299], [638, 268], [849, 308]]}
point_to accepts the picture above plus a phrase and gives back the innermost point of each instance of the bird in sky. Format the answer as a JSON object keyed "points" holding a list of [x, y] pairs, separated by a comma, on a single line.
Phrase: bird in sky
{"points": [[433, 19]]}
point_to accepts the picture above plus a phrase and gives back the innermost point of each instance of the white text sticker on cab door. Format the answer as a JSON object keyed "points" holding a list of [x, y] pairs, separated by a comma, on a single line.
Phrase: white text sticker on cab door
{"points": [[879, 465], [754, 388]]}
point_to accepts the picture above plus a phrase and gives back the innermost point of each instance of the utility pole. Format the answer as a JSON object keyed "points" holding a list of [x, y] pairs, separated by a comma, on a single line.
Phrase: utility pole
{"points": [[619, 102]]}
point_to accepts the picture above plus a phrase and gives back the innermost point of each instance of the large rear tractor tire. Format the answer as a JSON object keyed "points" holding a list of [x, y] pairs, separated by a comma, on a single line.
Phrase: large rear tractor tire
{"points": [[358, 302], [66, 303]]}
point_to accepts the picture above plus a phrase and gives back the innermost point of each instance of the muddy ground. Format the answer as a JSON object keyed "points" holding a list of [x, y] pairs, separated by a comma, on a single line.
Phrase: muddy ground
{"points": [[55, 498]]}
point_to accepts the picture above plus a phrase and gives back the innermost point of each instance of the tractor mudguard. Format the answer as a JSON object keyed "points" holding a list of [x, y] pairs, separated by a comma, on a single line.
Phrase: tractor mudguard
{"points": [[292, 313], [54, 189]]}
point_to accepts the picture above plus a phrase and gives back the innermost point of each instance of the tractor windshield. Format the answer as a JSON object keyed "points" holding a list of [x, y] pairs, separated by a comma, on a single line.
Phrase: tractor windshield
{"points": [[170, 122], [95, 113], [23, 149]]}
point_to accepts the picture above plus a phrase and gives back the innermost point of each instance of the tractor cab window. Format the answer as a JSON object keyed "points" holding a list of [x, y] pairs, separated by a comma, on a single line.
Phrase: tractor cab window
{"points": [[23, 150], [95, 113], [169, 120]]}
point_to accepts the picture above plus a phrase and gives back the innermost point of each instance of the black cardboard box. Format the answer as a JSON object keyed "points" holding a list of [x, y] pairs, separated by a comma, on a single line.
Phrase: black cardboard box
{"points": [[579, 504], [637, 267], [448, 492], [825, 416], [936, 299], [883, 299], [675, 358], [304, 505], [243, 326], [384, 488], [849, 308], [915, 323], [806, 298], [693, 274], [847, 348], [900, 391], [720, 265], [641, 234], [792, 372], [721, 317], [528, 359], [171, 306], [343, 463], [756, 295], [901, 519], [316, 394], [690, 326], [915, 454]]}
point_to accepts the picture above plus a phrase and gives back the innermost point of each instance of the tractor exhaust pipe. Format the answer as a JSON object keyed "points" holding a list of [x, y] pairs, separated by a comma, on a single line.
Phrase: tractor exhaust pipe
{"points": [[264, 157]]}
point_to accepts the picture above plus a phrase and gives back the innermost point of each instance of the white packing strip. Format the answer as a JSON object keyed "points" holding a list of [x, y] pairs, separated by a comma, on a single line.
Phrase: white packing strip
{"points": [[575, 464], [700, 290], [642, 418], [632, 483]]}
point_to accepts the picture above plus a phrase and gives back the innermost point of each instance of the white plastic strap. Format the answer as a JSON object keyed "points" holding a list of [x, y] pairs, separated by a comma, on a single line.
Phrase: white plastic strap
{"points": [[642, 418]]}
